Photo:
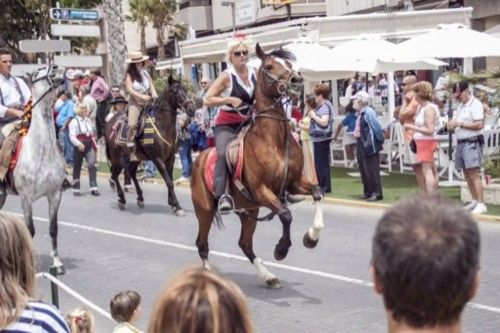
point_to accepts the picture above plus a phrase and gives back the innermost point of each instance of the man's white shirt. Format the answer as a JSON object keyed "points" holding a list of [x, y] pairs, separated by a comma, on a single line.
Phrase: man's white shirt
{"points": [[10, 93]]}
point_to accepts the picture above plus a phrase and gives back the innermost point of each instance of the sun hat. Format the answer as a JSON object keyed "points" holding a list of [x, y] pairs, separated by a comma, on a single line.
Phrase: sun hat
{"points": [[362, 96], [137, 56], [119, 99]]}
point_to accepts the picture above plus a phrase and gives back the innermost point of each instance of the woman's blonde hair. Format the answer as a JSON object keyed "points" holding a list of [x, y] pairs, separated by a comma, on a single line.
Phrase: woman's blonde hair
{"points": [[80, 109], [17, 268], [238, 40], [80, 320], [423, 90], [197, 300]]}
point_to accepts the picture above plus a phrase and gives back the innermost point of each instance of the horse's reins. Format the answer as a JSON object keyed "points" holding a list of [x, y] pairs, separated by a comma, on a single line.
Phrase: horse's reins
{"points": [[52, 86]]}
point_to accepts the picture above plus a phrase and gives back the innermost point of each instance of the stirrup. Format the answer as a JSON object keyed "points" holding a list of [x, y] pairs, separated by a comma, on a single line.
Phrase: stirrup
{"points": [[225, 205], [130, 144]]}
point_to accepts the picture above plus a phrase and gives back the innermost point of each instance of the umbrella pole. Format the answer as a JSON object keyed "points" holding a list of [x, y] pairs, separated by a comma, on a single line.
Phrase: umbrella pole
{"points": [[390, 94]]}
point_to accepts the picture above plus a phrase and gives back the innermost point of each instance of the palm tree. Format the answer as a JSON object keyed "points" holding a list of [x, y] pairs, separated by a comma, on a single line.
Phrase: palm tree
{"points": [[113, 12], [162, 15], [139, 15]]}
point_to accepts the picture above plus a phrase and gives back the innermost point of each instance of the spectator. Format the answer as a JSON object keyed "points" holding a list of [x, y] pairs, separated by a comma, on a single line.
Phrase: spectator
{"points": [[197, 300], [468, 122], [309, 170], [424, 135], [80, 320], [64, 115], [86, 98], [99, 90], [349, 141], [149, 170], [199, 126], [82, 137], [126, 309], [212, 111], [370, 139], [296, 113], [18, 304], [407, 116], [184, 147], [382, 87], [321, 131], [425, 264]]}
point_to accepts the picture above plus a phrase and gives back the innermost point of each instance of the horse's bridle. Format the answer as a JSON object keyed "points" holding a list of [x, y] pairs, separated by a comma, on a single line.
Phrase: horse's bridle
{"points": [[52, 85], [283, 85]]}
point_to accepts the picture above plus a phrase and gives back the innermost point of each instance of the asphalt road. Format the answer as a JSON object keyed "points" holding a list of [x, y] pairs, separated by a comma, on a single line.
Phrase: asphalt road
{"points": [[326, 289]]}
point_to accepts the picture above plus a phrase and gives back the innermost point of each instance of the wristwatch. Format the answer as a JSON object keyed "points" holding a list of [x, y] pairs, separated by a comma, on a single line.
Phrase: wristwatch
{"points": [[461, 124]]}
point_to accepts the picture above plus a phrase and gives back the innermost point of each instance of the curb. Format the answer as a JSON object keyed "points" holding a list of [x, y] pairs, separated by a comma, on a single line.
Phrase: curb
{"points": [[328, 200]]}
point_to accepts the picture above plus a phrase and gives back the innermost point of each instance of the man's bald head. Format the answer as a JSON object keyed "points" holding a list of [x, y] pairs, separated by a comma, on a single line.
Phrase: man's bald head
{"points": [[408, 81]]}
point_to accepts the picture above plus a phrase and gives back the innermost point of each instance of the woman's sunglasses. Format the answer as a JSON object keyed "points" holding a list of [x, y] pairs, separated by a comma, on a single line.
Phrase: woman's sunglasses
{"points": [[239, 53]]}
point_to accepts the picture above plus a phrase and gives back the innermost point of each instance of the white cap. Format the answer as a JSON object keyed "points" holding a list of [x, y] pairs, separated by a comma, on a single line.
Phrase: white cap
{"points": [[87, 73], [362, 96]]}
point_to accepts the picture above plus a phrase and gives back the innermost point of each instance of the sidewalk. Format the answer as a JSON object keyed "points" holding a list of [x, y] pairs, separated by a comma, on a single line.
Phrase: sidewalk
{"points": [[347, 189]]}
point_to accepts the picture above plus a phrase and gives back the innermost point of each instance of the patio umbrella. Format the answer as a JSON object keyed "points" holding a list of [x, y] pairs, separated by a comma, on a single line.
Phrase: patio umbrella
{"points": [[451, 41]]}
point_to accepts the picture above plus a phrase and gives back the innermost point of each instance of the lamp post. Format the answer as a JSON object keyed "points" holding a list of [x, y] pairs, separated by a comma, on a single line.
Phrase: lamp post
{"points": [[226, 3]]}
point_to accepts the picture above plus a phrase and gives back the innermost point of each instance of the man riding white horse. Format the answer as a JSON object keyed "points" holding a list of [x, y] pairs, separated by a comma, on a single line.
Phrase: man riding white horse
{"points": [[14, 94]]}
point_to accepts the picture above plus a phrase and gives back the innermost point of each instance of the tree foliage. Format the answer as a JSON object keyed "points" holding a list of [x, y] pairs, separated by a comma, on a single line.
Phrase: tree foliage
{"points": [[30, 19]]}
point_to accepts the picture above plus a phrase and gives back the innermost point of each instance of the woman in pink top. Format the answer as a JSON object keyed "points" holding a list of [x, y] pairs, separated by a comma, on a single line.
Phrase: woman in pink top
{"points": [[424, 133]]}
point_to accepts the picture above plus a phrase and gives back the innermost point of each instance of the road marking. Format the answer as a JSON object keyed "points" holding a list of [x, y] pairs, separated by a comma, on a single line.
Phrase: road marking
{"points": [[236, 257]]}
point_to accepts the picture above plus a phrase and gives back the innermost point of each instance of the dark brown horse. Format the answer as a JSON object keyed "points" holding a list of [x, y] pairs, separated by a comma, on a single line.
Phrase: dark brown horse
{"points": [[162, 152], [272, 165]]}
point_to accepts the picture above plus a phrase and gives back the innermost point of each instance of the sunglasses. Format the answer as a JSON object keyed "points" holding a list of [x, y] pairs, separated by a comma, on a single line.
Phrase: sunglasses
{"points": [[239, 53], [204, 82]]}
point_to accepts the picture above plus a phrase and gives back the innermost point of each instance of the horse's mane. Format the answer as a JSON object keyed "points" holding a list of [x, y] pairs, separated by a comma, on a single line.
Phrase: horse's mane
{"points": [[283, 54]]}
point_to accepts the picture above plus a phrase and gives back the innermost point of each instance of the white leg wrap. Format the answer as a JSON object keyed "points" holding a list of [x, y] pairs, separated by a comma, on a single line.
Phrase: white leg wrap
{"points": [[57, 262], [206, 265], [318, 224], [262, 271]]}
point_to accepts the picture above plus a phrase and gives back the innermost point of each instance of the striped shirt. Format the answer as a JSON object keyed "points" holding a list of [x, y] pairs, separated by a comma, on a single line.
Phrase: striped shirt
{"points": [[38, 317]]}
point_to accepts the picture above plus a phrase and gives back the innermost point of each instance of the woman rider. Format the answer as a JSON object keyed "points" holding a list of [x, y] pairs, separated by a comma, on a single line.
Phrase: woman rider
{"points": [[233, 88], [139, 85]]}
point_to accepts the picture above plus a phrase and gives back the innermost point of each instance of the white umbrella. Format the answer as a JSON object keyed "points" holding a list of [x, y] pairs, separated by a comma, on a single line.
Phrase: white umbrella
{"points": [[451, 41]]}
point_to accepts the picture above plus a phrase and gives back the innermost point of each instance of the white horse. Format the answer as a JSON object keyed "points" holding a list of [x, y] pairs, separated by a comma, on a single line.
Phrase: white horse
{"points": [[40, 168]]}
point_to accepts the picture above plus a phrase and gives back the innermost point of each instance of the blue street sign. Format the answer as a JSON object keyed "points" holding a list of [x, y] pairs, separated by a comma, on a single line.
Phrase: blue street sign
{"points": [[74, 14]]}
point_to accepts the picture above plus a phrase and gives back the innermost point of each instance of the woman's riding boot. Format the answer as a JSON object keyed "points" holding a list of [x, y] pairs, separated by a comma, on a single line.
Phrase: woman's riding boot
{"points": [[131, 136]]}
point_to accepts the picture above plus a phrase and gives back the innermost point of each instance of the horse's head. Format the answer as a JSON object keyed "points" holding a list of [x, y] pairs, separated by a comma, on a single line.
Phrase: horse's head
{"points": [[46, 80], [178, 97], [278, 77]]}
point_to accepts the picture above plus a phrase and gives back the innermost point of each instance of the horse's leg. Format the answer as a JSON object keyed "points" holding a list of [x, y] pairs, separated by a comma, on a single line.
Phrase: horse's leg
{"points": [[205, 218], [172, 199], [54, 200], [116, 168], [311, 237], [133, 174], [248, 226], [28, 214], [266, 197]]}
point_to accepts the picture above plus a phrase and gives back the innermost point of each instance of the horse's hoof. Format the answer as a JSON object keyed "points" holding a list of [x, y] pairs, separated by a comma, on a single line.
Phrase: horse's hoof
{"points": [[308, 242], [280, 254], [121, 205], [180, 212], [273, 283], [140, 203], [60, 270]]}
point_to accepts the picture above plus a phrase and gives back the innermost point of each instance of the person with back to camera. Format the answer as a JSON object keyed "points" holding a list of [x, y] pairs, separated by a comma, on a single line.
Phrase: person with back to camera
{"points": [[80, 320], [424, 135], [198, 300], [234, 88], [20, 311], [309, 170], [126, 309], [468, 123], [321, 131], [140, 86], [425, 264]]}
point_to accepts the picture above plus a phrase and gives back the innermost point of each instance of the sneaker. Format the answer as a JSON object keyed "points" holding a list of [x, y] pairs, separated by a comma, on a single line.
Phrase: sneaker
{"points": [[480, 208], [470, 205], [225, 205], [182, 179], [127, 188], [95, 193], [76, 192]]}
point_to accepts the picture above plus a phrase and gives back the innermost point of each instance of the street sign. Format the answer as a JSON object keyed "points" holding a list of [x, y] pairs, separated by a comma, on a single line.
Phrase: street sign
{"points": [[78, 61], [74, 14], [21, 69], [75, 30], [43, 46]]}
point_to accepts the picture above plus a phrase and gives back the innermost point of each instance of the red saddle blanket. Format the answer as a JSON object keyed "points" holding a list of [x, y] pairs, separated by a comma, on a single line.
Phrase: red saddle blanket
{"points": [[234, 158]]}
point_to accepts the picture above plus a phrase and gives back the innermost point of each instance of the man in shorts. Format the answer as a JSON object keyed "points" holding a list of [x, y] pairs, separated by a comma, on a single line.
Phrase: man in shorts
{"points": [[468, 123]]}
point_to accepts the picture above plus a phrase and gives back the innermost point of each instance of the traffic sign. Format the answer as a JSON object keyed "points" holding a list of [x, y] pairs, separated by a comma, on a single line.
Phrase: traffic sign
{"points": [[43, 46], [78, 61], [75, 30], [74, 14], [21, 69]]}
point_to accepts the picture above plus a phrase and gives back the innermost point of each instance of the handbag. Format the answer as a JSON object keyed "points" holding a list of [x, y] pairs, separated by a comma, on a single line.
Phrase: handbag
{"points": [[318, 131], [413, 146]]}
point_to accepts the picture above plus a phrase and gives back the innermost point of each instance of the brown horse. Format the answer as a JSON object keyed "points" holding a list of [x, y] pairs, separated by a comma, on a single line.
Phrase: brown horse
{"points": [[162, 152], [272, 165]]}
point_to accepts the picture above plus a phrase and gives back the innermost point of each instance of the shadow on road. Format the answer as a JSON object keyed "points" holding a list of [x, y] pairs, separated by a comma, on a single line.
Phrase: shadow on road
{"points": [[44, 261]]}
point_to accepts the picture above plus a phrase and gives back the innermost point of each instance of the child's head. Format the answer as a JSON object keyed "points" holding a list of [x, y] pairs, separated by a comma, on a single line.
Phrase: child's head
{"points": [[80, 320], [124, 306]]}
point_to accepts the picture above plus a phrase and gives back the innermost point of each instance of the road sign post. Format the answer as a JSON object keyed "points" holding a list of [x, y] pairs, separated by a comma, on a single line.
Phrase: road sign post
{"points": [[44, 46]]}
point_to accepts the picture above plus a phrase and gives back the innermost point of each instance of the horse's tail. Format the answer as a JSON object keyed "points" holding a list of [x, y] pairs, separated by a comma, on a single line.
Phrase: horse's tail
{"points": [[218, 220]]}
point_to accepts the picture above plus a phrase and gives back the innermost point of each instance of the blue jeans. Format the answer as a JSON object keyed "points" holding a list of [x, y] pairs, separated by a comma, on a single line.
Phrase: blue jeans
{"points": [[149, 169], [66, 146], [186, 158]]}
